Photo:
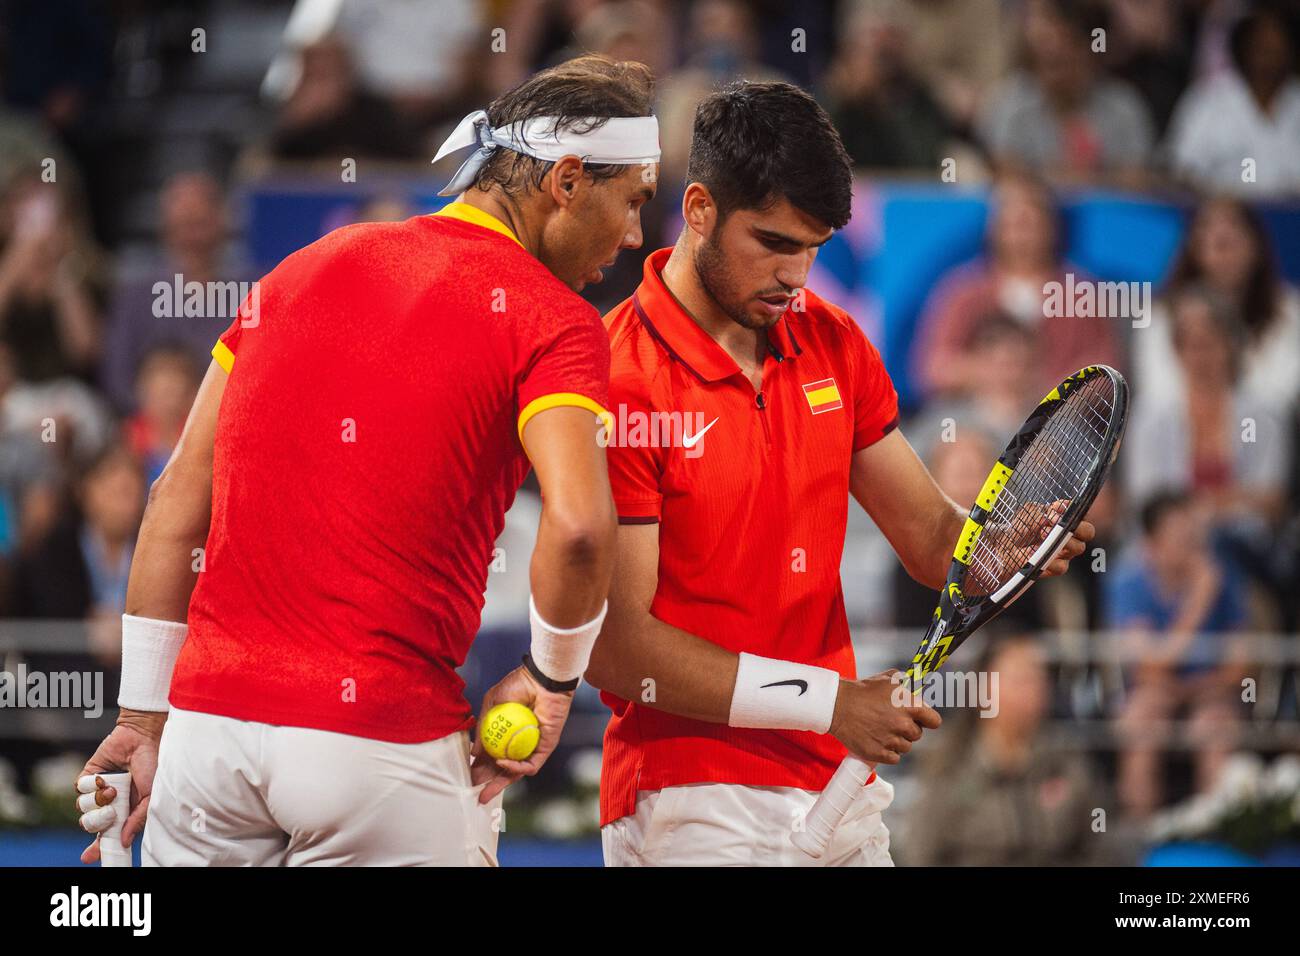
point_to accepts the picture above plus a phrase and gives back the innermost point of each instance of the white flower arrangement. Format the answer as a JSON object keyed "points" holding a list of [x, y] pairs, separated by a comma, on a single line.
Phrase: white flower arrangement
{"points": [[1252, 807]]}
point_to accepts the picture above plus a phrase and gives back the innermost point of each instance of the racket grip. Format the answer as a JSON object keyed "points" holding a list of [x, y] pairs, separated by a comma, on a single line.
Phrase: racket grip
{"points": [[831, 806], [111, 851]]}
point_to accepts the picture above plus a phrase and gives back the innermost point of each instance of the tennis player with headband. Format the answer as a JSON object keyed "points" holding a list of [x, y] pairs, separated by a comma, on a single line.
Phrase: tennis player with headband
{"points": [[344, 473]]}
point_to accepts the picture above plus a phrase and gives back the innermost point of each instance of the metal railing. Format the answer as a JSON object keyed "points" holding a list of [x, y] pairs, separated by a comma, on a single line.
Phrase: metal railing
{"points": [[1090, 674]]}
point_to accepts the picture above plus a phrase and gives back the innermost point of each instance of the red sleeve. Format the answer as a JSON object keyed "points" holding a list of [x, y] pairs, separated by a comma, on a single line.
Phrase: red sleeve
{"points": [[566, 363], [875, 402], [249, 316], [635, 474]]}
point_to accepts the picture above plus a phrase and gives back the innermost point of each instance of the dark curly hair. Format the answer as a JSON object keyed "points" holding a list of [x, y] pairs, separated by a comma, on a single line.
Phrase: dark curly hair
{"points": [[754, 143]]}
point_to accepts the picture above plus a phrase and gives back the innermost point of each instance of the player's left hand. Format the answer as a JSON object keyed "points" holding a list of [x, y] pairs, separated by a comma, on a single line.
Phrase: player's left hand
{"points": [[552, 711], [1074, 545]]}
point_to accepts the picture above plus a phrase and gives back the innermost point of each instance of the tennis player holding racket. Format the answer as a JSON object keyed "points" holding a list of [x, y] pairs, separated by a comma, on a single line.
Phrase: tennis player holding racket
{"points": [[725, 657]]}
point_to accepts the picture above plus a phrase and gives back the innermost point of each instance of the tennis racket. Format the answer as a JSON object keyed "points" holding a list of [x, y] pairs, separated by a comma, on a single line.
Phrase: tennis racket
{"points": [[1034, 498]]}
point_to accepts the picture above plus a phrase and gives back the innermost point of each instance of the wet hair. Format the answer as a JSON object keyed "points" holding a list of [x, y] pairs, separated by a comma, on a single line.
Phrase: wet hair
{"points": [[582, 93]]}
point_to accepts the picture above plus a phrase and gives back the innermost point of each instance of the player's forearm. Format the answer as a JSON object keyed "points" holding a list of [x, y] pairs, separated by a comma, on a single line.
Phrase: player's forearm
{"points": [[642, 659], [920, 521], [573, 560], [930, 564], [168, 549]]}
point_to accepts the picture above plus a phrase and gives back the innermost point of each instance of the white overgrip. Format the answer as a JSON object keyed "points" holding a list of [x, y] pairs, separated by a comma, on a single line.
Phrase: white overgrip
{"points": [[831, 806], [111, 851]]}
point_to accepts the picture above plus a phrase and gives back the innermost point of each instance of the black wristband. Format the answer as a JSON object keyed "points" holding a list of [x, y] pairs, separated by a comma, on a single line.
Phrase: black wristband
{"points": [[554, 686]]}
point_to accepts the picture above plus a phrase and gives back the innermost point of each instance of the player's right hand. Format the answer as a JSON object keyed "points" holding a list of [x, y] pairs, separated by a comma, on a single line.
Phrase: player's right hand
{"points": [[132, 746], [872, 723], [552, 710]]}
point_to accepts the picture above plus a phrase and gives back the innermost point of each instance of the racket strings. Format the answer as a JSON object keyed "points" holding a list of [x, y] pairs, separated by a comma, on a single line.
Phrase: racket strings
{"points": [[1055, 467]]}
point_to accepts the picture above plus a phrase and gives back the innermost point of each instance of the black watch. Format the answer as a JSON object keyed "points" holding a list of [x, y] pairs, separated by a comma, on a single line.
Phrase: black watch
{"points": [[554, 686]]}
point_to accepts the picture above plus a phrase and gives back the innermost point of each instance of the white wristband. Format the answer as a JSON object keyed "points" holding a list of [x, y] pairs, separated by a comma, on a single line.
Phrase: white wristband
{"points": [[149, 651], [783, 695], [562, 653]]}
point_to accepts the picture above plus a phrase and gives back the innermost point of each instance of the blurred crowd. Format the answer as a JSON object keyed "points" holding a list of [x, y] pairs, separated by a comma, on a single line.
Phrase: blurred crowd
{"points": [[1197, 100]]}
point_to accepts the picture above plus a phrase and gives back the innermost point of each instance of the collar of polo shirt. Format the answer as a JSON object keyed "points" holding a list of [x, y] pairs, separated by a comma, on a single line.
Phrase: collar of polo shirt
{"points": [[682, 336]]}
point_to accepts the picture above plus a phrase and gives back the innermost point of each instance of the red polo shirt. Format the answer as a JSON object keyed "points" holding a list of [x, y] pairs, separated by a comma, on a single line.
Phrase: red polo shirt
{"points": [[751, 518], [367, 449]]}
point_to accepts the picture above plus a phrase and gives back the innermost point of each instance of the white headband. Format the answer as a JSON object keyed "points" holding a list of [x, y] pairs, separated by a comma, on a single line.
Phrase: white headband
{"points": [[625, 140]]}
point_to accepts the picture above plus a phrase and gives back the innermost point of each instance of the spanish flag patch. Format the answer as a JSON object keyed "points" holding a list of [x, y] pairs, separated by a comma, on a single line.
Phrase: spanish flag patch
{"points": [[823, 396]]}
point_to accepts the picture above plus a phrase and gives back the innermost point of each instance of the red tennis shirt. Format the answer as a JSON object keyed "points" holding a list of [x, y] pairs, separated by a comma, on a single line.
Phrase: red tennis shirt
{"points": [[751, 518], [367, 449]]}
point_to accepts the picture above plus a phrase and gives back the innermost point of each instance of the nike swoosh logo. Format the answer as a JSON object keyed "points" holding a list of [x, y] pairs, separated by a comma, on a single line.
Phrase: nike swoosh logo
{"points": [[690, 441], [801, 684]]}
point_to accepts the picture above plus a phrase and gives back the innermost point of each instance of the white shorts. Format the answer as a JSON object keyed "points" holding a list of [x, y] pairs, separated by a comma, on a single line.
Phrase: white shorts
{"points": [[722, 824], [239, 793]]}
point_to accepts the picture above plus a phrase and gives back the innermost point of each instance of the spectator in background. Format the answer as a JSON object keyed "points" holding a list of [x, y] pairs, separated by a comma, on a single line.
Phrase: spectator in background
{"points": [[165, 388], [886, 116], [49, 325], [1005, 795], [1151, 44], [28, 488], [1229, 445], [959, 457], [1023, 255], [1238, 131], [330, 116], [1175, 605], [1227, 250], [541, 34], [420, 57], [1215, 436], [49, 304], [625, 30], [195, 234], [1008, 387], [723, 46], [64, 414], [1214, 22], [80, 570], [25, 145], [57, 69], [1060, 115], [960, 48]]}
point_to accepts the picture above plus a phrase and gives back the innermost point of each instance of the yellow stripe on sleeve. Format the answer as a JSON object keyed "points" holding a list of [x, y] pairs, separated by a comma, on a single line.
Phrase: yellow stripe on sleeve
{"points": [[225, 358], [560, 400]]}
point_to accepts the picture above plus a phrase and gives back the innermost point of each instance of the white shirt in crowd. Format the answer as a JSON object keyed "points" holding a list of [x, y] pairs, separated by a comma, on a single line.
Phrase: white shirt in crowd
{"points": [[1270, 365], [1218, 125]]}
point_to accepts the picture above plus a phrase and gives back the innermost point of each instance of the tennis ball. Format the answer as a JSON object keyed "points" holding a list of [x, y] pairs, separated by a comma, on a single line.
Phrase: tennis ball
{"points": [[509, 730]]}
